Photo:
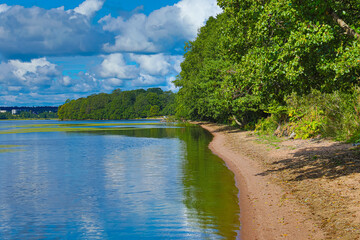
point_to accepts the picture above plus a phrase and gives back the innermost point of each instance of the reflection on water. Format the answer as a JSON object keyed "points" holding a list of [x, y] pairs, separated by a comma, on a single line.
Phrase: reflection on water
{"points": [[210, 195], [156, 183]]}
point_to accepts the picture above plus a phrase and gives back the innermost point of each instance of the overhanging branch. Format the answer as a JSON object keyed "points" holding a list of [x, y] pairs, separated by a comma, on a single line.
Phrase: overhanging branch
{"points": [[348, 30]]}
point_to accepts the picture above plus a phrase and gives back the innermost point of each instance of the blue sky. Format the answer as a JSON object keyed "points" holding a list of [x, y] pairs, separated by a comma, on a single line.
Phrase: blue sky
{"points": [[54, 50]]}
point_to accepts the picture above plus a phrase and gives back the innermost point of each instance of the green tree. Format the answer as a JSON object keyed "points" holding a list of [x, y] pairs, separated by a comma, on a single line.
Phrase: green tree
{"points": [[119, 105], [154, 111], [246, 61]]}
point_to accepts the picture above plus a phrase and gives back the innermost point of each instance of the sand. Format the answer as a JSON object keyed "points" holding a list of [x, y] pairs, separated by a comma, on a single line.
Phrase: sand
{"points": [[287, 190]]}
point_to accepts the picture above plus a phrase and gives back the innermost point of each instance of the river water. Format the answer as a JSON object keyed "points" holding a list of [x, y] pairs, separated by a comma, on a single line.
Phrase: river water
{"points": [[139, 182]]}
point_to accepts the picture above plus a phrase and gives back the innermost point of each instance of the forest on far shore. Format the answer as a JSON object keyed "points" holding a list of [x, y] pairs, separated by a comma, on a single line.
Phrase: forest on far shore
{"points": [[120, 104]]}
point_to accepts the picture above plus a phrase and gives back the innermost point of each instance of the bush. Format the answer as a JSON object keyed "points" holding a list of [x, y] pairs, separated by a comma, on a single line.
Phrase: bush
{"points": [[332, 115], [335, 115], [267, 125]]}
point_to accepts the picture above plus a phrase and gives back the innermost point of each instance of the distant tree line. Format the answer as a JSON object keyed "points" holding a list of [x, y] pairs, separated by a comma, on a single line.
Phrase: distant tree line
{"points": [[45, 112], [120, 104]]}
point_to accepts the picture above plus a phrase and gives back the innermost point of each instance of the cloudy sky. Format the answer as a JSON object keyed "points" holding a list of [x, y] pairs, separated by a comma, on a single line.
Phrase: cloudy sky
{"points": [[54, 50]]}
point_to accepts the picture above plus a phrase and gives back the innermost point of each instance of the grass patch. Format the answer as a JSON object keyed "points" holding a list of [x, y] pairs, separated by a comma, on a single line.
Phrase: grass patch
{"points": [[270, 140]]}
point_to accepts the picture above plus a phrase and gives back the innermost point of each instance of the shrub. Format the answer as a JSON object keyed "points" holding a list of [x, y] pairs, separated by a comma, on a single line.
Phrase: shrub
{"points": [[335, 115], [332, 115]]}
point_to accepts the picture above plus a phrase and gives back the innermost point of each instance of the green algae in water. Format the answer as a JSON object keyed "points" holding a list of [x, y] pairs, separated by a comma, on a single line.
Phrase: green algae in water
{"points": [[84, 125], [73, 127], [63, 129], [10, 148]]}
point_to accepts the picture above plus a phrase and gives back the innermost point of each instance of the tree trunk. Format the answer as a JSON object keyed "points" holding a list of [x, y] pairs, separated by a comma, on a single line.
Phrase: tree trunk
{"points": [[348, 30], [237, 122]]}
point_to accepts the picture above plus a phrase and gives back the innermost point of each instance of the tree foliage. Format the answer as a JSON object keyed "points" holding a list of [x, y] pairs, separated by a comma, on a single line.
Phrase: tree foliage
{"points": [[251, 57], [120, 105], [201, 75]]}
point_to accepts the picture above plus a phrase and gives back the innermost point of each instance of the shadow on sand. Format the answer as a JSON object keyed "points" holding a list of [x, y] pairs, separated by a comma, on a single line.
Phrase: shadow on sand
{"points": [[310, 163]]}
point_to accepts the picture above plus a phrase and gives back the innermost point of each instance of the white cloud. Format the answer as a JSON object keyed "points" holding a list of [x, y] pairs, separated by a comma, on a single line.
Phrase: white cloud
{"points": [[131, 37], [195, 13], [82, 87], [111, 84], [177, 63], [35, 31], [9, 99], [14, 89], [145, 80], [66, 81], [114, 81], [157, 64], [37, 72], [38, 99], [150, 70], [34, 66], [161, 29], [89, 7], [114, 66], [170, 86], [77, 83], [4, 8]]}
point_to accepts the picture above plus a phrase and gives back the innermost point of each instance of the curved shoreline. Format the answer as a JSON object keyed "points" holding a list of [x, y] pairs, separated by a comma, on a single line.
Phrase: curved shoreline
{"points": [[266, 212]]}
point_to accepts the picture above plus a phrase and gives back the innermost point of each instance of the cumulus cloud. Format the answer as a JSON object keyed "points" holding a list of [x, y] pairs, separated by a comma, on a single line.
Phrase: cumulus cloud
{"points": [[195, 13], [37, 72], [137, 70], [4, 8], [131, 36], [177, 63], [115, 66], [111, 84], [161, 29], [38, 32], [81, 82], [37, 99], [89, 7], [170, 86], [65, 81], [145, 80], [157, 64], [40, 77]]}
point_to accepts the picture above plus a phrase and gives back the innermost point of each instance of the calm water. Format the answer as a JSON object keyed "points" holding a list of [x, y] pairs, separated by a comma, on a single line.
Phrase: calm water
{"points": [[156, 182]]}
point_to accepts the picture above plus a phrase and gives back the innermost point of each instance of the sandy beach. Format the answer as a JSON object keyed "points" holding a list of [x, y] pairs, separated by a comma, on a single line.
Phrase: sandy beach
{"points": [[287, 189]]}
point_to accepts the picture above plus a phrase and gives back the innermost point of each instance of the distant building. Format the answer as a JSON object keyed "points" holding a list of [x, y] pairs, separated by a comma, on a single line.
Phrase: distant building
{"points": [[2, 111], [14, 111]]}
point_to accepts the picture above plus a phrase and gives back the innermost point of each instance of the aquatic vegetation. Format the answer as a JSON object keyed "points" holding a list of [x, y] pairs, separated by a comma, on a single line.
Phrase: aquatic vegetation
{"points": [[84, 125], [10, 148], [73, 127], [63, 129]]}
